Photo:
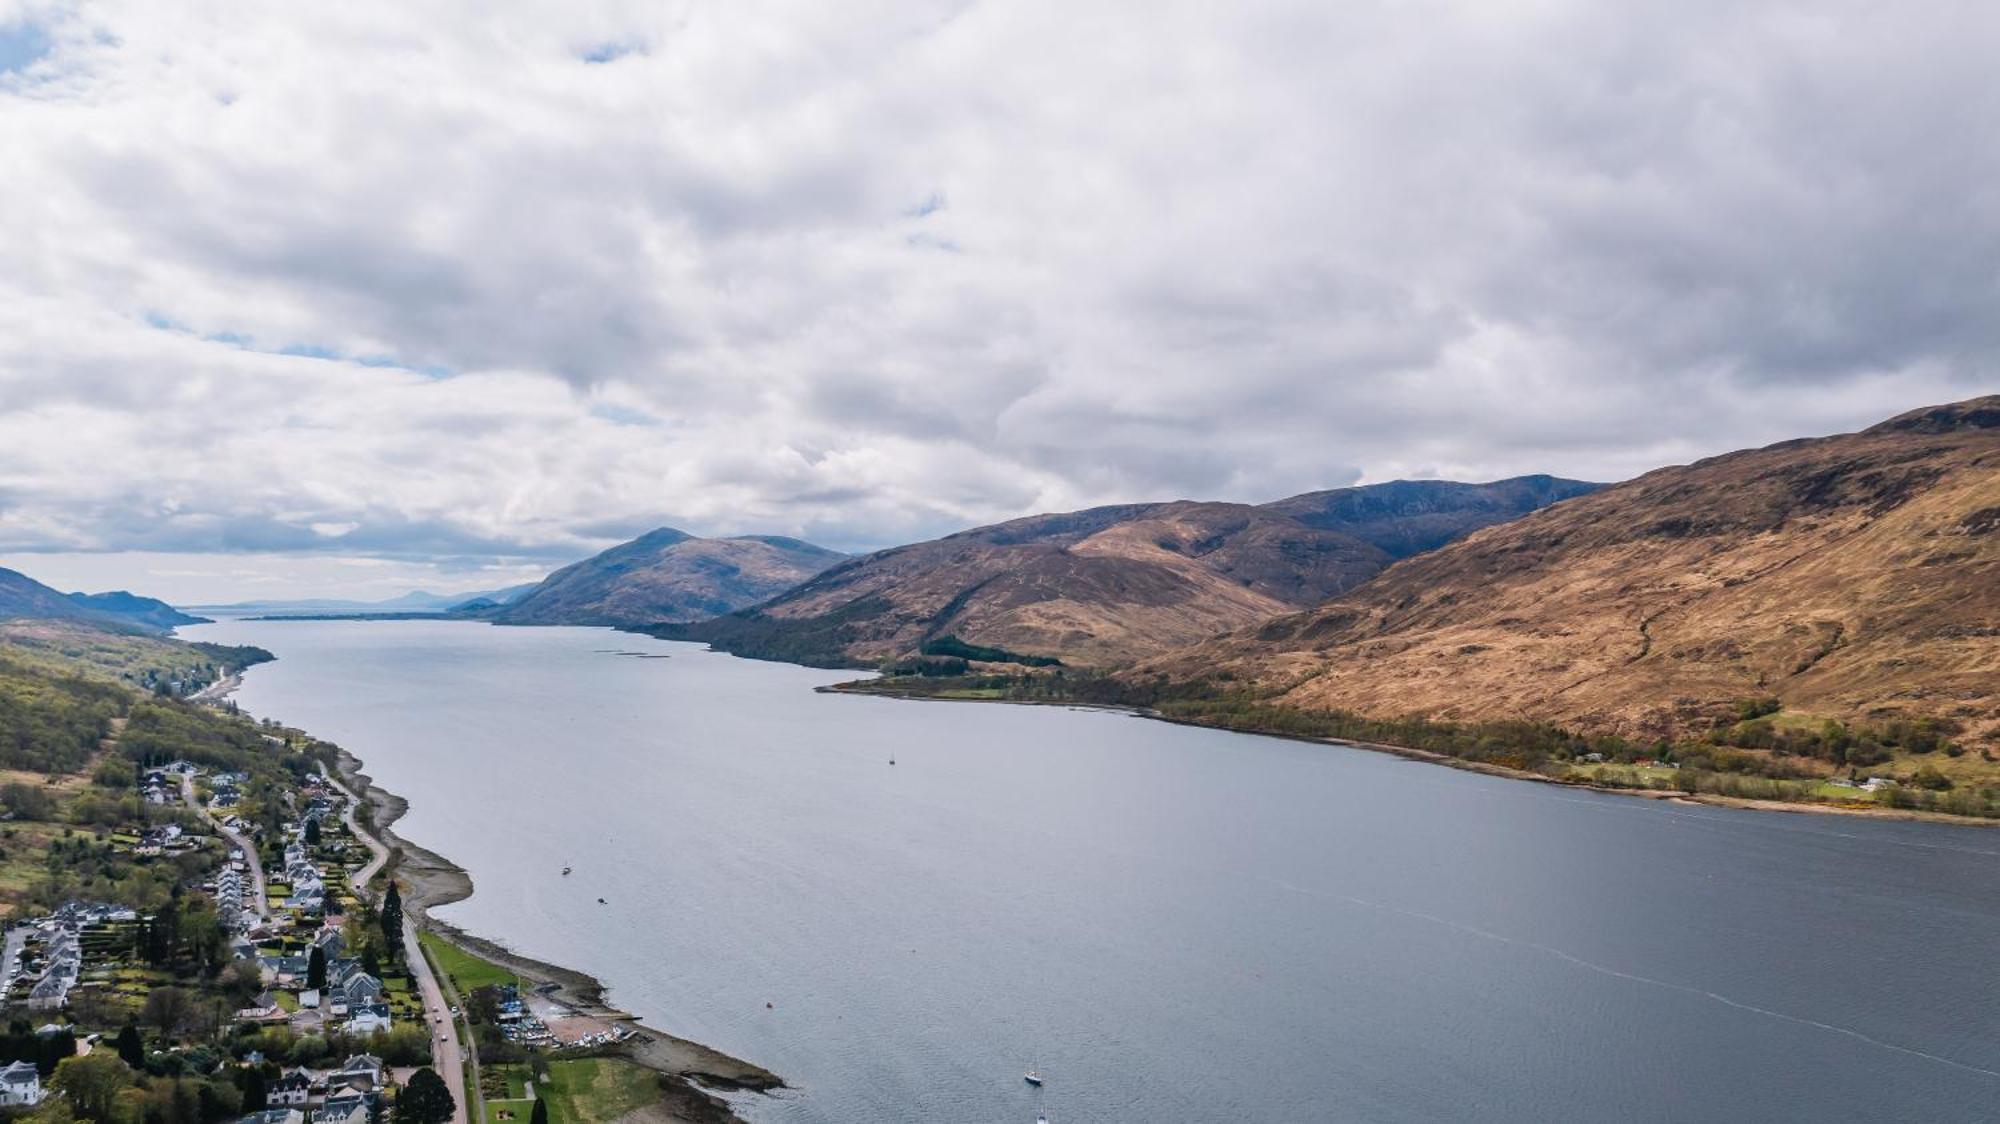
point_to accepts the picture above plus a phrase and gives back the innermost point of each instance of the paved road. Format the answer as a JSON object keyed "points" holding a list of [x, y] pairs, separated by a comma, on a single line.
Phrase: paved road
{"points": [[249, 850], [447, 1055]]}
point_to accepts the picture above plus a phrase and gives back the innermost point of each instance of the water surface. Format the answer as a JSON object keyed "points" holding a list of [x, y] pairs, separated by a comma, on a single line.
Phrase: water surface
{"points": [[1171, 923]]}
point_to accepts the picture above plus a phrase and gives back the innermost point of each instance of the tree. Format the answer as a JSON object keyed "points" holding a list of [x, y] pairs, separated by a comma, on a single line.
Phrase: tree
{"points": [[312, 832], [167, 1008], [392, 919], [250, 1082], [52, 1049], [425, 1099], [91, 1084], [132, 1048], [316, 968], [540, 1115]]}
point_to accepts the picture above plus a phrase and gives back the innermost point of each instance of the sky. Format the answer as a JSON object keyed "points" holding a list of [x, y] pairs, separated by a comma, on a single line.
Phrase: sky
{"points": [[348, 299]]}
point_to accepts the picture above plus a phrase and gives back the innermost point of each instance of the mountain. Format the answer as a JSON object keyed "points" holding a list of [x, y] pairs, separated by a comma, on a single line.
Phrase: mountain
{"points": [[24, 598], [1854, 577], [415, 601], [668, 575], [1111, 584], [148, 611]]}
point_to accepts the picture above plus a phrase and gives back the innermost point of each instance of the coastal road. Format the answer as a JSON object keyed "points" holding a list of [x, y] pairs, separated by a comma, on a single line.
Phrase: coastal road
{"points": [[447, 1055], [250, 858], [359, 879]]}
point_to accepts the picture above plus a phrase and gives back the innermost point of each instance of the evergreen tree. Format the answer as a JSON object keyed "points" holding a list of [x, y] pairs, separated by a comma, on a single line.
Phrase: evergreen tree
{"points": [[250, 1079], [392, 920], [425, 1100], [540, 1115], [316, 968], [312, 833], [131, 1047]]}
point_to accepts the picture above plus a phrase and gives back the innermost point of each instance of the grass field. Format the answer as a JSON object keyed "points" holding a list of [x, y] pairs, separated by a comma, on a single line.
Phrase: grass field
{"points": [[578, 1090], [465, 970], [593, 1089]]}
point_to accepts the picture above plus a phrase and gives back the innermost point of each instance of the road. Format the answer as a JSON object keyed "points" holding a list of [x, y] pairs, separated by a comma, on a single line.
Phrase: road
{"points": [[447, 1055], [249, 850]]}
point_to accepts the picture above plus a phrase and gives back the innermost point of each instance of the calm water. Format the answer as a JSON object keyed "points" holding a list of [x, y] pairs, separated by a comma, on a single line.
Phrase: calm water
{"points": [[1173, 924]]}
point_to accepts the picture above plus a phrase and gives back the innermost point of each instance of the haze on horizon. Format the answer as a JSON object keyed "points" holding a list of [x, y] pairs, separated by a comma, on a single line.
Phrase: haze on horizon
{"points": [[345, 300]]}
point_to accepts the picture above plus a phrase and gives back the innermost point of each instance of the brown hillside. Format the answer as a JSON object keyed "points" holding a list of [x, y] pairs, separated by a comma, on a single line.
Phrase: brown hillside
{"points": [[668, 575], [1855, 576], [1112, 584]]}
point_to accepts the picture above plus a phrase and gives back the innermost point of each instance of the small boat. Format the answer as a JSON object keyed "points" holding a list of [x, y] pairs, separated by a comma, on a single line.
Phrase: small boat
{"points": [[892, 761], [1041, 1118], [1032, 1078], [565, 872], [600, 901]]}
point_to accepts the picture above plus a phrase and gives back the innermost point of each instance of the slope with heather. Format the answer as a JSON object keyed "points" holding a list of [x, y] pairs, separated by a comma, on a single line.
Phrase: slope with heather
{"points": [[1111, 584], [1854, 577]]}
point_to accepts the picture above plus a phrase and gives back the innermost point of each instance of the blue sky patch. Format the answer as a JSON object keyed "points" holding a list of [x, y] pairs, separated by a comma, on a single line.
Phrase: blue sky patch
{"points": [[21, 46]]}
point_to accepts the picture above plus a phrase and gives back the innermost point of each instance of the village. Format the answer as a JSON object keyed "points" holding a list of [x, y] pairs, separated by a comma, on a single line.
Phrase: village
{"points": [[273, 972]]}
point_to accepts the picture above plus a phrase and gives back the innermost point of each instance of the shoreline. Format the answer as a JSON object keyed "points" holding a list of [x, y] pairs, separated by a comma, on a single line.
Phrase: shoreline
{"points": [[692, 1076], [1670, 796]]}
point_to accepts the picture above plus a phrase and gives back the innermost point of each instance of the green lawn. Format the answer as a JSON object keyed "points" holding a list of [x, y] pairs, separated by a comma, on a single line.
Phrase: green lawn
{"points": [[594, 1089], [465, 970]]}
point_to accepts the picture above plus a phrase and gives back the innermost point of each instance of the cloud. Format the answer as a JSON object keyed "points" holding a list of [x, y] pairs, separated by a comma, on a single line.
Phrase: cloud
{"points": [[454, 281]]}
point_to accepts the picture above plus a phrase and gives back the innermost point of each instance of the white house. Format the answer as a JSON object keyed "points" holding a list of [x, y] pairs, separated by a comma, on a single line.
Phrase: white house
{"points": [[20, 1084], [294, 1088]]}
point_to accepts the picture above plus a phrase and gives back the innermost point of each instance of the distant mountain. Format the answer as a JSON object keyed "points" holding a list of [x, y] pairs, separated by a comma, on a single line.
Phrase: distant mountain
{"points": [[1112, 584], [22, 597], [419, 601], [668, 575], [1854, 577], [148, 611]]}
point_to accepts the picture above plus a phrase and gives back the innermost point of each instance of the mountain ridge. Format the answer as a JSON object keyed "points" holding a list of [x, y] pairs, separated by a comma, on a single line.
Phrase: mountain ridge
{"points": [[666, 575], [1855, 576], [1107, 584]]}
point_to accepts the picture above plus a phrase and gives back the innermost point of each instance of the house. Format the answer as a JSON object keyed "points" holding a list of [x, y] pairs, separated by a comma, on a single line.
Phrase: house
{"points": [[360, 990], [20, 1084], [264, 1010], [1877, 784], [345, 1110], [371, 1019], [292, 1088], [275, 1116], [283, 969], [366, 1066], [332, 943]]}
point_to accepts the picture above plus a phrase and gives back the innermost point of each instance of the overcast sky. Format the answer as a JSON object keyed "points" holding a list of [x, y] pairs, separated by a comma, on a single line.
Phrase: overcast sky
{"points": [[352, 297]]}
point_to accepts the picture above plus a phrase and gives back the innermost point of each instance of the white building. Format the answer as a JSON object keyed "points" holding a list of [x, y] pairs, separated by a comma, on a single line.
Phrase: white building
{"points": [[20, 1084]]}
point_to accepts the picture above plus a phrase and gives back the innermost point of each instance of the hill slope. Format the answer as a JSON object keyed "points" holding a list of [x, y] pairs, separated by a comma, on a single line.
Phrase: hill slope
{"points": [[150, 612], [24, 598], [1111, 584], [1855, 576], [667, 575]]}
